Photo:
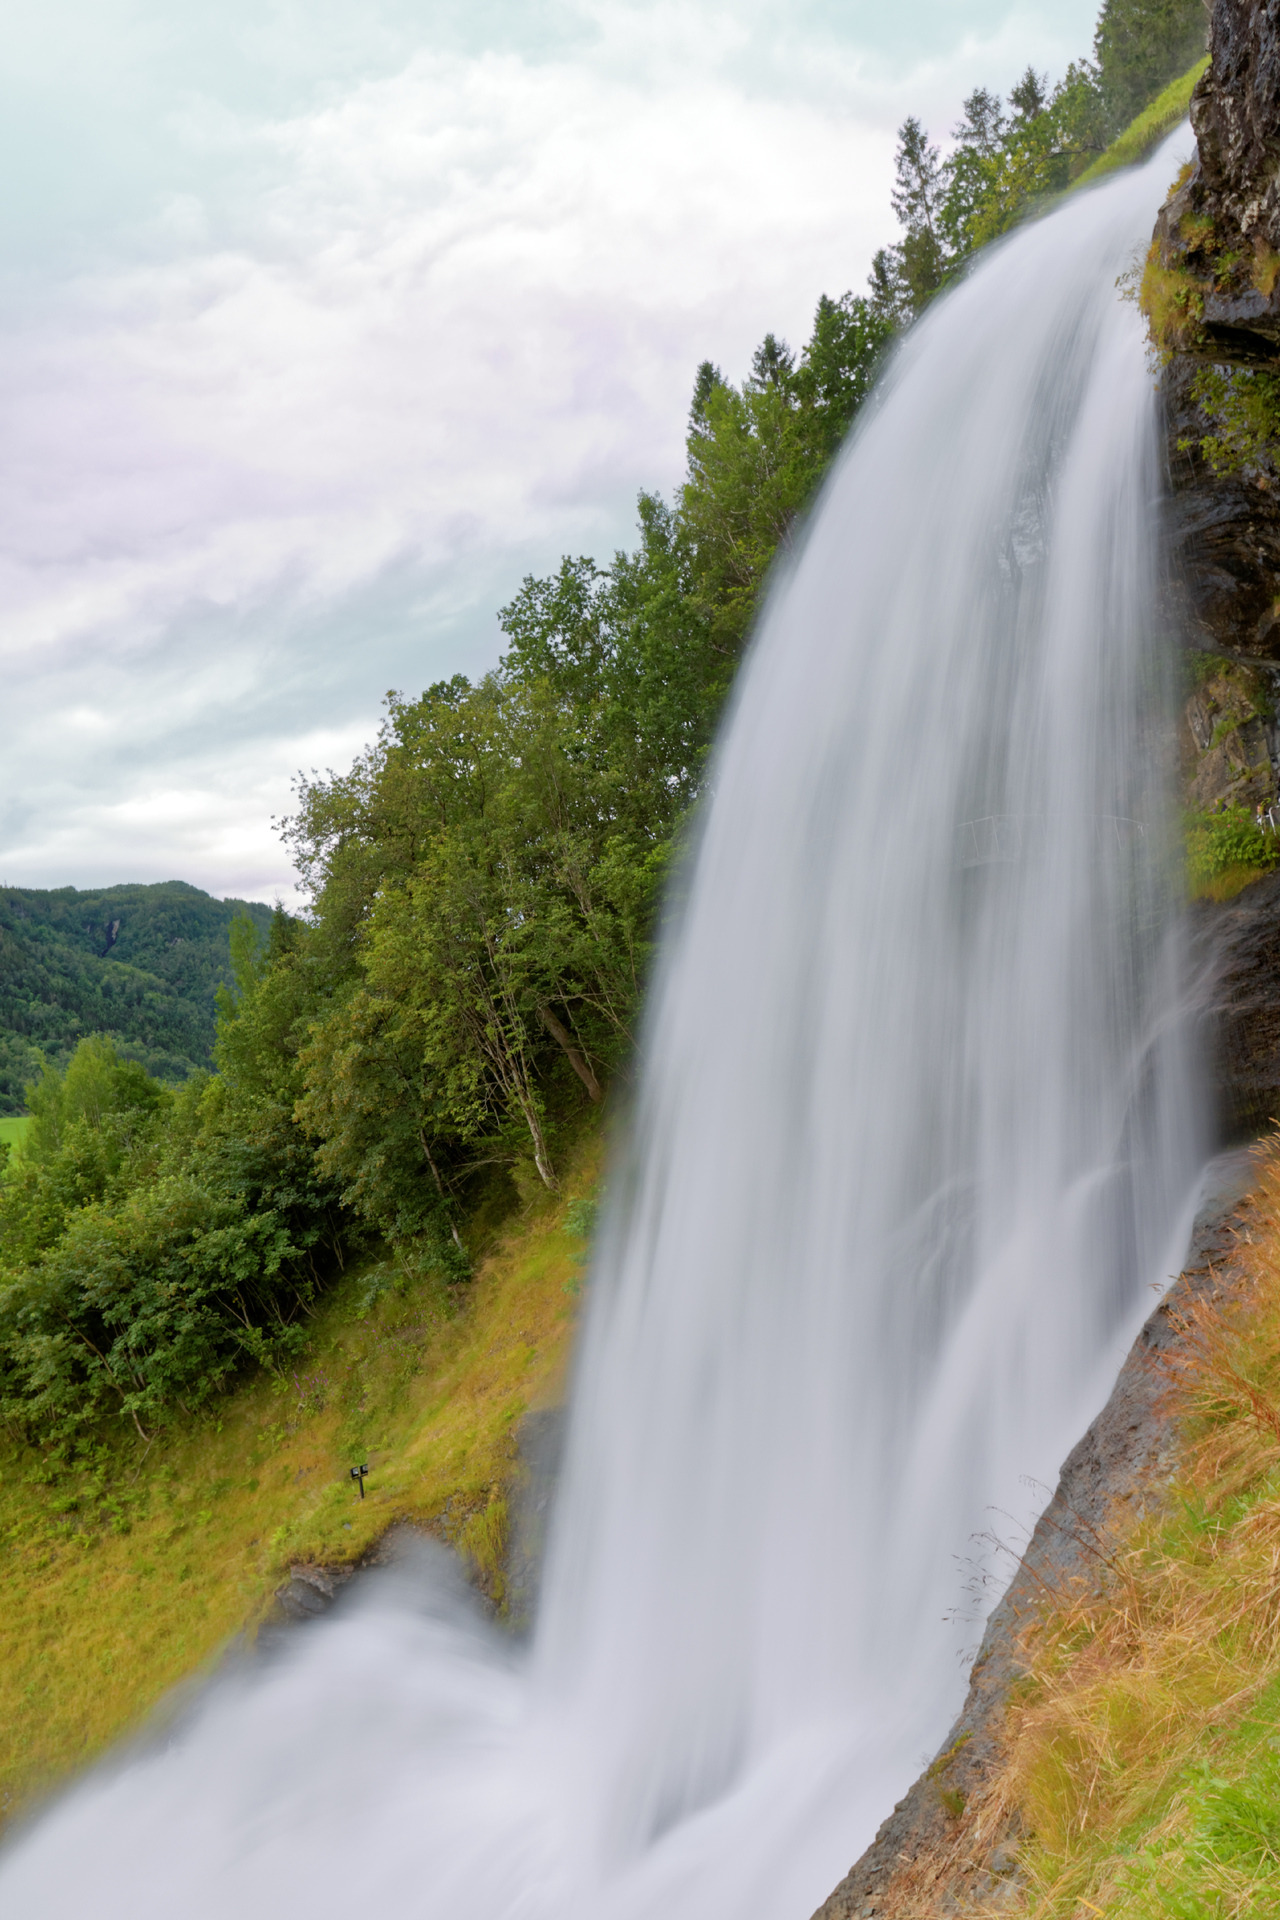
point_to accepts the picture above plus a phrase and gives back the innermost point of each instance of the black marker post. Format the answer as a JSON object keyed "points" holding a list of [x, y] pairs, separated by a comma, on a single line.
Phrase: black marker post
{"points": [[358, 1474]]}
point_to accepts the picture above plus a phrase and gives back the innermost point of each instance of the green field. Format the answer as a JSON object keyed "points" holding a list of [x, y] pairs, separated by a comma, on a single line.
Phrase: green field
{"points": [[12, 1129]]}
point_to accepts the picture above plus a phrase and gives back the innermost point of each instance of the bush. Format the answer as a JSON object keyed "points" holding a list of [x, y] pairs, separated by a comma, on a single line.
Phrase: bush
{"points": [[151, 1243], [1230, 843]]}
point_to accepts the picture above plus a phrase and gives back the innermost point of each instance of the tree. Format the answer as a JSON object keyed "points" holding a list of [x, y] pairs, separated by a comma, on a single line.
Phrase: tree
{"points": [[1139, 46], [1030, 97], [917, 198]]}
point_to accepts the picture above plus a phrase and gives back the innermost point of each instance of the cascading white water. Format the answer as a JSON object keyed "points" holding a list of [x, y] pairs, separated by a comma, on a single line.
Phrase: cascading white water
{"points": [[913, 1135]]}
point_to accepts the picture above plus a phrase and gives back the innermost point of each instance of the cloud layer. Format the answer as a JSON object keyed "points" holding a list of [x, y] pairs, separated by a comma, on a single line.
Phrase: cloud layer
{"points": [[339, 358]]}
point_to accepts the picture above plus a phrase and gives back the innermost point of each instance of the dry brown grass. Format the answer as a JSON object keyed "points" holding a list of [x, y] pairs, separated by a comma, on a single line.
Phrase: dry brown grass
{"points": [[1136, 1685]]}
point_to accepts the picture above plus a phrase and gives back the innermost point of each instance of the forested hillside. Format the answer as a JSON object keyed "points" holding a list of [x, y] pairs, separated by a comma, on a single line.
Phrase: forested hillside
{"points": [[141, 963]]}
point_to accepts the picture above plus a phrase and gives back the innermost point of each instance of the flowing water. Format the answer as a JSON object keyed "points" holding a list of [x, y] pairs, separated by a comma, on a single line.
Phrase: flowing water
{"points": [[912, 1142]]}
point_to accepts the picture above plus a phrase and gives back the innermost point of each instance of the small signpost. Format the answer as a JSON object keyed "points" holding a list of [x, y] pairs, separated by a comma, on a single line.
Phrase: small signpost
{"points": [[358, 1474]]}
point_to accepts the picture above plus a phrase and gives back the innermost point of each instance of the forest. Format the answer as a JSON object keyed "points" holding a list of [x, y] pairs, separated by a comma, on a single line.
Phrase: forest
{"points": [[140, 963], [484, 883]]}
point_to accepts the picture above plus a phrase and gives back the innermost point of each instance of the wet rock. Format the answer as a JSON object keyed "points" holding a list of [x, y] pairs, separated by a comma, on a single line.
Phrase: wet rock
{"points": [[539, 1450], [924, 1859], [1235, 999], [310, 1591], [1224, 534], [1212, 293], [1218, 234]]}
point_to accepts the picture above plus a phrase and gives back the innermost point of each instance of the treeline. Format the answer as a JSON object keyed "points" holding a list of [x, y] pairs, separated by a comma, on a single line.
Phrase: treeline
{"points": [[483, 884], [1011, 155]]}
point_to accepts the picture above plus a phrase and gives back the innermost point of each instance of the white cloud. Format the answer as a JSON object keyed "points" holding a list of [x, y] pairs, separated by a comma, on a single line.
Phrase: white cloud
{"points": [[295, 435]]}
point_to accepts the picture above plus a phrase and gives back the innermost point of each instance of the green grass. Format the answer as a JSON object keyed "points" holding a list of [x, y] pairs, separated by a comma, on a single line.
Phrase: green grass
{"points": [[129, 1575], [13, 1129], [1151, 125]]}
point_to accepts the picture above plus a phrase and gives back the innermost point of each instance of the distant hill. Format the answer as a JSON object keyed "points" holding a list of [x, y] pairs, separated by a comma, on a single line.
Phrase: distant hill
{"points": [[142, 964]]}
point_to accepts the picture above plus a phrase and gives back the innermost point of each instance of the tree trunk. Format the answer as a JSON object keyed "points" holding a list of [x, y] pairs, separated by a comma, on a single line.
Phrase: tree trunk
{"points": [[573, 1053]]}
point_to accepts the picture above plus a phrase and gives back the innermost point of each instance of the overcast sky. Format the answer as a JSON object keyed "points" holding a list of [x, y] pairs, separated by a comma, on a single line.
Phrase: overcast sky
{"points": [[326, 321]]}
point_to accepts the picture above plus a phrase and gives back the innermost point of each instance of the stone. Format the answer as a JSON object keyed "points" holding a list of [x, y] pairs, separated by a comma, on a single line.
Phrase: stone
{"points": [[310, 1591]]}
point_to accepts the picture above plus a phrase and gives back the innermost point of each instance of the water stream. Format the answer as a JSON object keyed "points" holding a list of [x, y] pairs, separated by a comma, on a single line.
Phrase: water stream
{"points": [[913, 1140]]}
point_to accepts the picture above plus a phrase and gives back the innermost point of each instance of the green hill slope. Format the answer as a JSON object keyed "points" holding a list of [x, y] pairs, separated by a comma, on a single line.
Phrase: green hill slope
{"points": [[141, 963]]}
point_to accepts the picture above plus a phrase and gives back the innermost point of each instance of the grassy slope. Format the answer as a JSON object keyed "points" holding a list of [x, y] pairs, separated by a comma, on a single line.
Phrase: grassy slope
{"points": [[12, 1128], [116, 1590], [1144, 1751], [1151, 125]]}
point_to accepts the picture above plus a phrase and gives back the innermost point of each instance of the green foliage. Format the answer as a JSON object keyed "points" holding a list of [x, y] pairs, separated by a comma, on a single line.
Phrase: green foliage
{"points": [[1199, 667], [1219, 843], [1243, 406], [1009, 157], [1140, 46], [1159, 118], [141, 963], [151, 1242], [1004, 162]]}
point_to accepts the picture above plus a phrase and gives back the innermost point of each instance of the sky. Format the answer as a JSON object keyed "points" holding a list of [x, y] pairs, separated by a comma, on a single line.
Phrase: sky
{"points": [[325, 322]]}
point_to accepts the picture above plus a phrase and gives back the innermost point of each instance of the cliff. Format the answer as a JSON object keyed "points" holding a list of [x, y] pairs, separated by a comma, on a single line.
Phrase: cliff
{"points": [[1211, 292]]}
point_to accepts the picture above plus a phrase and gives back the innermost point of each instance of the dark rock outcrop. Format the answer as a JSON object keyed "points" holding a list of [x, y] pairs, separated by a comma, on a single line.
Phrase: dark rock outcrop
{"points": [[1236, 1003], [539, 1447], [1218, 235], [1224, 534], [1212, 294], [924, 1859], [310, 1591]]}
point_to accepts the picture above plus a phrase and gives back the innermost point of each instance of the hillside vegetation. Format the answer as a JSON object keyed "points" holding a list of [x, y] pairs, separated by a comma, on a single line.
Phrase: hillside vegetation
{"points": [[142, 964], [124, 1573]]}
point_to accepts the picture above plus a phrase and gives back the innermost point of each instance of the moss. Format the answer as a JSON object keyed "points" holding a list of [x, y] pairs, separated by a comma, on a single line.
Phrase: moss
{"points": [[944, 1760], [1172, 300], [1242, 406], [1266, 270]]}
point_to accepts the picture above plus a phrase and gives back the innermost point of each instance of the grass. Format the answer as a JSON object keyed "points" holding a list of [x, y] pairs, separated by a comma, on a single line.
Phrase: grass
{"points": [[129, 1576], [1144, 1747], [1227, 884], [1151, 125], [13, 1129]]}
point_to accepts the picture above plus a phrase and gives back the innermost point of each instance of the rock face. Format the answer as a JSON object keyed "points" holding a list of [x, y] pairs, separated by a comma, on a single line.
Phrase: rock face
{"points": [[1219, 233], [1212, 294], [926, 1859], [1230, 746], [539, 1449], [1236, 1003], [1224, 533]]}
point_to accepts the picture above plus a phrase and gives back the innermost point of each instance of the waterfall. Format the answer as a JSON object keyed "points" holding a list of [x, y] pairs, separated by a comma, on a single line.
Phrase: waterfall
{"points": [[912, 1142]]}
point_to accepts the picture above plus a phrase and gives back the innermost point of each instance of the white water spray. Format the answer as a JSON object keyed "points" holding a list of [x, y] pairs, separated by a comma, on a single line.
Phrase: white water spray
{"points": [[911, 1143]]}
